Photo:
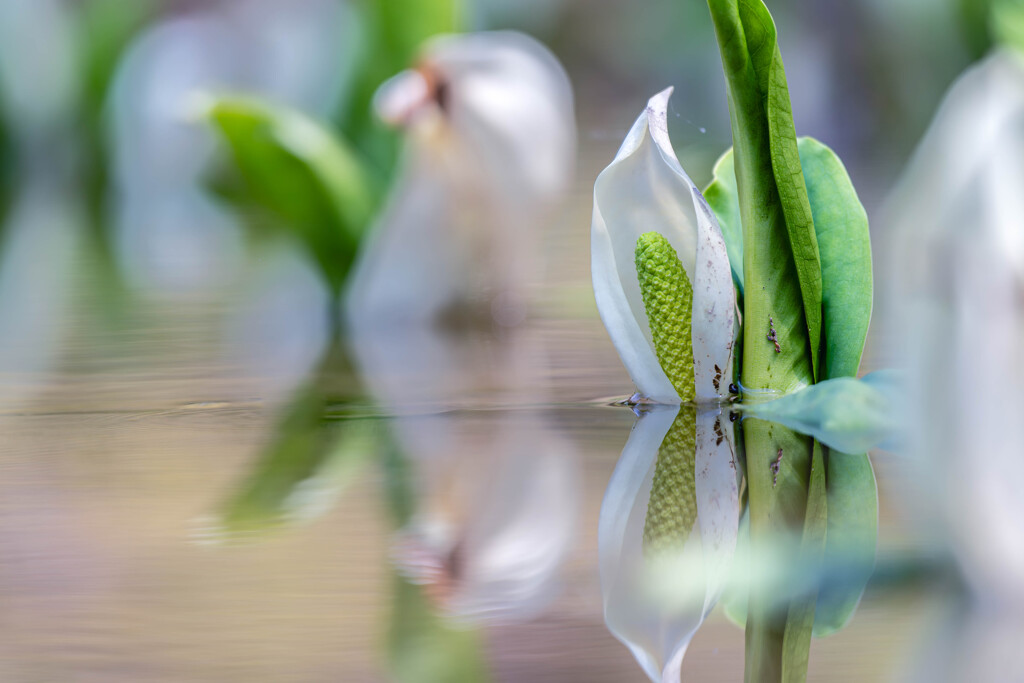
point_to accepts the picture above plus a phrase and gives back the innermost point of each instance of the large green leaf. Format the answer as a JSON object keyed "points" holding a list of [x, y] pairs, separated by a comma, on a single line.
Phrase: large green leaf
{"points": [[781, 269], [841, 226], [844, 244], [303, 174]]}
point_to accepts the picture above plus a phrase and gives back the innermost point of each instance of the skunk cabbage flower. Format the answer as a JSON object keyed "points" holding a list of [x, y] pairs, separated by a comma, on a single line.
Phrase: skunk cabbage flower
{"points": [[667, 534], [660, 268], [490, 150]]}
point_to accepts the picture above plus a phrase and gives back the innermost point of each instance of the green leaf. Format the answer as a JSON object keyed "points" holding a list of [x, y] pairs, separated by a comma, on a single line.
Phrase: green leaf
{"points": [[1006, 22], [300, 172], [844, 243], [781, 268], [852, 539], [106, 29], [308, 461], [850, 415], [724, 199]]}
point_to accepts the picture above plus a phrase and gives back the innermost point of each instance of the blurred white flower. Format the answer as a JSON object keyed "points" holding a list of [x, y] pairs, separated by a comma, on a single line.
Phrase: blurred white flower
{"points": [[645, 190], [667, 534], [490, 151], [957, 315], [958, 234]]}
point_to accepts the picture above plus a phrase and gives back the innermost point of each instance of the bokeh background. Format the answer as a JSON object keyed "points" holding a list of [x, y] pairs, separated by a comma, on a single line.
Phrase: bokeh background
{"points": [[150, 351]]}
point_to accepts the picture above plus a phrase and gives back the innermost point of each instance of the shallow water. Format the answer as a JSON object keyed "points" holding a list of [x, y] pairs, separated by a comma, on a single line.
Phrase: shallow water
{"points": [[117, 459]]}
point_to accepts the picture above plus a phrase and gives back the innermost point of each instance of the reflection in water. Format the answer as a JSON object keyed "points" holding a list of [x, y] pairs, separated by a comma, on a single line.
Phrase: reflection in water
{"points": [[673, 539], [668, 532], [483, 502], [497, 497]]}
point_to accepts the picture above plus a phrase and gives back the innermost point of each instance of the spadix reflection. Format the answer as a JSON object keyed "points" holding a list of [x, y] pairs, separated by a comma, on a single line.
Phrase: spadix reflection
{"points": [[668, 532]]}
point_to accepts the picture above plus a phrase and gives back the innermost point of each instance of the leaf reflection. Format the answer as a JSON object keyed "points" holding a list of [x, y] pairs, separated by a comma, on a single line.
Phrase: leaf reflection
{"points": [[673, 540]]}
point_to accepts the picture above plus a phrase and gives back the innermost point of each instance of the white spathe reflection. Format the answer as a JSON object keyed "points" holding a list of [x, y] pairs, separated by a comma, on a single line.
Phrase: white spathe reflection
{"points": [[299, 53], [958, 276], [490, 152], [495, 525], [655, 599], [498, 490]]}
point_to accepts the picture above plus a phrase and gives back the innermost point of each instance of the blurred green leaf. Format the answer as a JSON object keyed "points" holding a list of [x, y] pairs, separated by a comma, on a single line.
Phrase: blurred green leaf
{"points": [[973, 23], [425, 647], [781, 269], [106, 28], [309, 460], [1006, 22], [307, 178]]}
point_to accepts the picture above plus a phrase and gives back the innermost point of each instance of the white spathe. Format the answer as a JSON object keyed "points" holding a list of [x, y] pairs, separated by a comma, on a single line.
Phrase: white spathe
{"points": [[655, 604], [490, 152], [645, 189]]}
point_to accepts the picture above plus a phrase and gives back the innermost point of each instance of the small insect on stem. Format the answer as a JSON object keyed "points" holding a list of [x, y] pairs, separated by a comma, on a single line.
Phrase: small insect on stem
{"points": [[772, 336], [775, 466]]}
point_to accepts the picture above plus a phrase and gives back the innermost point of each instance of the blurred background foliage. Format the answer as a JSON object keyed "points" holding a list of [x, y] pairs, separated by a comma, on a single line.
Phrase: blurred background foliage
{"points": [[866, 76]]}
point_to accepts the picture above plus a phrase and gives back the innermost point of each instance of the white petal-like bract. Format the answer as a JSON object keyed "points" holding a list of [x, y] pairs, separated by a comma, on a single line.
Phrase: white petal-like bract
{"points": [[645, 189], [490, 152]]}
